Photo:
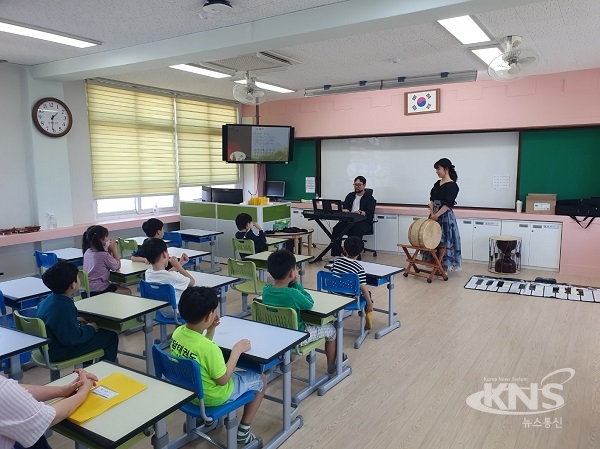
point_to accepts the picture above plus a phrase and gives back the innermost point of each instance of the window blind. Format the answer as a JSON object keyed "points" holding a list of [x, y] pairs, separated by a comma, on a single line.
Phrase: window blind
{"points": [[132, 142], [199, 142]]}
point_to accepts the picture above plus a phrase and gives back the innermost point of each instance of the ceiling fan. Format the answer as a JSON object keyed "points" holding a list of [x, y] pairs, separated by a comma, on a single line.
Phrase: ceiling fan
{"points": [[248, 93], [514, 62]]}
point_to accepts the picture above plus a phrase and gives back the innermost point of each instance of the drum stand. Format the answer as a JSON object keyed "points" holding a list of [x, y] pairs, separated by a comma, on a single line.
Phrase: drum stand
{"points": [[436, 267]]}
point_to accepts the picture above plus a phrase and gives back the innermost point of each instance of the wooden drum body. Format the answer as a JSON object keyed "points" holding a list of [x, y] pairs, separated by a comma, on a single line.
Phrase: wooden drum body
{"points": [[425, 233], [505, 254]]}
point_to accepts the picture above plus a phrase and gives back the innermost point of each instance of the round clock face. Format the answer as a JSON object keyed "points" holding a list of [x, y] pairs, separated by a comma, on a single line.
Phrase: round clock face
{"points": [[52, 117]]}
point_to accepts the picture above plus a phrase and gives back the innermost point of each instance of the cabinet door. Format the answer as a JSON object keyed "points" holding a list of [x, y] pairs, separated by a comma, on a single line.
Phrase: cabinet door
{"points": [[545, 245], [387, 233], [465, 229], [519, 229], [482, 231], [404, 222]]}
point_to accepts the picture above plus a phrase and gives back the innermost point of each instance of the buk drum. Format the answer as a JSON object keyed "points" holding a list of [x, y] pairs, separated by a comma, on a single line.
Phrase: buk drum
{"points": [[425, 233], [505, 254]]}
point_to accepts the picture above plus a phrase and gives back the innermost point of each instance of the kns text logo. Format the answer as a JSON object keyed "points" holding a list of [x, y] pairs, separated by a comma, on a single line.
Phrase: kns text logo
{"points": [[537, 398]]}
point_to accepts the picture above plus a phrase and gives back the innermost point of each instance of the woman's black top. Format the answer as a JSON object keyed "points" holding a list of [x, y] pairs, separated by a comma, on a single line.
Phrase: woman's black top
{"points": [[446, 193]]}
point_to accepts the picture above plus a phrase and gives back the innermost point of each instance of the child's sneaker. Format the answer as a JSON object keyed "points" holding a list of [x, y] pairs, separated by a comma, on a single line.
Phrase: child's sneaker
{"points": [[245, 437], [368, 320]]}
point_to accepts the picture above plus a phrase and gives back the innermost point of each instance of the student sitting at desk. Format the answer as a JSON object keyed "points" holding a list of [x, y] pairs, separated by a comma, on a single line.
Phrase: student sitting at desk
{"points": [[221, 383], [286, 291], [24, 417], [154, 229], [244, 224], [179, 278], [353, 247], [100, 257], [71, 336]]}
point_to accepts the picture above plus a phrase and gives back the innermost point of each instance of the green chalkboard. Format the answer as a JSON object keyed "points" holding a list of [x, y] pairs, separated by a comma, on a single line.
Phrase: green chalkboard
{"points": [[294, 174], [562, 161]]}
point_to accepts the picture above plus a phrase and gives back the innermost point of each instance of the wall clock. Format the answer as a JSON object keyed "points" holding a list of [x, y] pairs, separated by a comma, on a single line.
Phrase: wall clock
{"points": [[52, 117], [422, 102]]}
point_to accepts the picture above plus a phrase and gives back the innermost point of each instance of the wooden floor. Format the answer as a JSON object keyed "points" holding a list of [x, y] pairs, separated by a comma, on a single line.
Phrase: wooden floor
{"points": [[409, 389]]}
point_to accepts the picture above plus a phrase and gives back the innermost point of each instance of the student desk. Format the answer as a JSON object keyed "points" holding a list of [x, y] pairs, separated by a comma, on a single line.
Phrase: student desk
{"points": [[140, 240], [71, 255], [216, 282], [297, 237], [193, 254], [118, 312], [124, 421], [274, 241], [128, 271], [268, 344], [200, 236], [19, 291], [12, 344], [264, 255]]}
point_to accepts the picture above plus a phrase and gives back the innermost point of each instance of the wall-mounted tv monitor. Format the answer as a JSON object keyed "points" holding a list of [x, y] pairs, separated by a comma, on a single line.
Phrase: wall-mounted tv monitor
{"points": [[231, 196], [275, 189], [249, 144]]}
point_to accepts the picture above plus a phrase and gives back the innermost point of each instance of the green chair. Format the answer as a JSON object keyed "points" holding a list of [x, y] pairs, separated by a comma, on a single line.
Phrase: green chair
{"points": [[40, 357], [126, 246], [287, 317], [84, 286], [245, 270], [246, 246]]}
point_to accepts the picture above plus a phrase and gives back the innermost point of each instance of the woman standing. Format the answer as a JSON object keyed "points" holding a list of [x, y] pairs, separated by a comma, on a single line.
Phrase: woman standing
{"points": [[441, 201]]}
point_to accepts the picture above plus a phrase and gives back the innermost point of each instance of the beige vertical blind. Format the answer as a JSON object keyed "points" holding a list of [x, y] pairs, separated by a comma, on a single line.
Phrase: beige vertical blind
{"points": [[132, 142], [199, 142]]}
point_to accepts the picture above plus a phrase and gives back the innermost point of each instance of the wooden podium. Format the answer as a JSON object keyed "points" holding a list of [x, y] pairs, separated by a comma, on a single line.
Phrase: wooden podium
{"points": [[432, 269]]}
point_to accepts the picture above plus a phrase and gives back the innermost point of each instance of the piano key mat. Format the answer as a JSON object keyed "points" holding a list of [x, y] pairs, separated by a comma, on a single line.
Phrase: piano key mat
{"points": [[531, 288]]}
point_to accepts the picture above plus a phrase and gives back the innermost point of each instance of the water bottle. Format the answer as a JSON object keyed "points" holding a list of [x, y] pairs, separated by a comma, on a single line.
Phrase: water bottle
{"points": [[155, 209], [51, 220], [519, 206]]}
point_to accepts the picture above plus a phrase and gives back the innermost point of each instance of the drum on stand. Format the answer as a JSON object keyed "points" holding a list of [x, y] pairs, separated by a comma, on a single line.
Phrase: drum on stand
{"points": [[425, 233], [505, 254]]}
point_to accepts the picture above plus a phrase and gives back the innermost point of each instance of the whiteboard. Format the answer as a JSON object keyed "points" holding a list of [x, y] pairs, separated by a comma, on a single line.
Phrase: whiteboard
{"points": [[400, 170]]}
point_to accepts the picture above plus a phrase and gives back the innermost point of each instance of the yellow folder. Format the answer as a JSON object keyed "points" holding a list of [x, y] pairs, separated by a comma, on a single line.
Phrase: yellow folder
{"points": [[109, 391]]}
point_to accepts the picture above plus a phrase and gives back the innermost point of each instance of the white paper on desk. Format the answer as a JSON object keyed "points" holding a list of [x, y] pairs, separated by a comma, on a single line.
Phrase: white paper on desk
{"points": [[505, 287], [104, 392], [309, 184]]}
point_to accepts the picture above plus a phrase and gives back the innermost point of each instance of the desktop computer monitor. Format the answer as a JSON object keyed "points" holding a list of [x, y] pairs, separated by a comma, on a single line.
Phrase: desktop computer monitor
{"points": [[231, 196], [275, 190]]}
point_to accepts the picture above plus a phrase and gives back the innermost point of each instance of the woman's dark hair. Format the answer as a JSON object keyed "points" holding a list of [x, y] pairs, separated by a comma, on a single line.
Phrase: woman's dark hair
{"points": [[445, 163], [92, 238]]}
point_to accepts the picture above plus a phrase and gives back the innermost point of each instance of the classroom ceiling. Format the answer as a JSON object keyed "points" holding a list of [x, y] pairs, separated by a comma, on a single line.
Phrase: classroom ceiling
{"points": [[332, 41]]}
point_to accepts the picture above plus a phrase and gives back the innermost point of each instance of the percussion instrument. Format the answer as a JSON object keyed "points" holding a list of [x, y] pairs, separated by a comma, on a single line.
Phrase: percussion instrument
{"points": [[505, 254], [425, 233]]}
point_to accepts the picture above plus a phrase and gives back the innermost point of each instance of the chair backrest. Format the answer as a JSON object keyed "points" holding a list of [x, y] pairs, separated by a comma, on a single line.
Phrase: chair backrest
{"points": [[243, 269], [342, 283], [158, 291], [174, 238], [277, 316], [44, 260], [242, 246], [84, 286], [182, 372], [3, 310], [30, 325], [126, 246]]}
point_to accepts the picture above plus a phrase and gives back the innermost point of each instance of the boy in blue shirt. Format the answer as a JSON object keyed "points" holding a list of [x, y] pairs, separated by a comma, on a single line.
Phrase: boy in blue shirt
{"points": [[286, 291], [220, 381], [244, 224], [70, 336]]}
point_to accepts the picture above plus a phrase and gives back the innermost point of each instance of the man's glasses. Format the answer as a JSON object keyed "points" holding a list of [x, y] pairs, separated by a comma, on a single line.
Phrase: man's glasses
{"points": [[358, 184]]}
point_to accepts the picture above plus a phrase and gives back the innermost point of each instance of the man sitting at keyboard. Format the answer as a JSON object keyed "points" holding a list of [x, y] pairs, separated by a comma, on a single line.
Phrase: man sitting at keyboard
{"points": [[359, 202]]}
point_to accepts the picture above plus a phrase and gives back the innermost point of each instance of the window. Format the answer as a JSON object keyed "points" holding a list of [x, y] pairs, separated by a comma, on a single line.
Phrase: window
{"points": [[146, 145]]}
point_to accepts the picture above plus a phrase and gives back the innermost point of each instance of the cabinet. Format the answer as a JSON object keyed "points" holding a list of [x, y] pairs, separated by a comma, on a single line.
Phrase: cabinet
{"points": [[519, 229], [298, 221], [465, 229], [387, 233], [540, 242], [482, 231]]}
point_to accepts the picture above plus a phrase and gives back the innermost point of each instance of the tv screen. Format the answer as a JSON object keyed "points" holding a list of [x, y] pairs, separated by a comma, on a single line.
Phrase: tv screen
{"points": [[244, 144], [231, 196], [275, 189]]}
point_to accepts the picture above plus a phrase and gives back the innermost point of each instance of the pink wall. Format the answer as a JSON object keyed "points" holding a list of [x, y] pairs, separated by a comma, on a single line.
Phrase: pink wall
{"points": [[562, 99]]}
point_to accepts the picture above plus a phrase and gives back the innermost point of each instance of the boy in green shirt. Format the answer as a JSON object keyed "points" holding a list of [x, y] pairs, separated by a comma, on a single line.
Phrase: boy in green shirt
{"points": [[220, 381]]}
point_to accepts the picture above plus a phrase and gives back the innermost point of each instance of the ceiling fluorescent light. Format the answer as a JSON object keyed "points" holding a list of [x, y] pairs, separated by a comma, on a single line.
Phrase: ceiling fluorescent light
{"points": [[27, 31], [465, 29], [199, 70], [395, 83], [281, 90], [487, 55]]}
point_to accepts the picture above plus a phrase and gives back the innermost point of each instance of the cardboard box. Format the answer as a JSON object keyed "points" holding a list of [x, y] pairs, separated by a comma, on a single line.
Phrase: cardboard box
{"points": [[540, 203]]}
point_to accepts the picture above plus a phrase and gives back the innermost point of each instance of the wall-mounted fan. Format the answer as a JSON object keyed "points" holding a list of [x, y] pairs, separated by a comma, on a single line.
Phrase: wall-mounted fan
{"points": [[248, 93], [514, 62]]}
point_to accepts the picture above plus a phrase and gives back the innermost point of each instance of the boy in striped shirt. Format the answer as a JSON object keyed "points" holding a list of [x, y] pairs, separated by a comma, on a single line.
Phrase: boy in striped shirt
{"points": [[353, 247]]}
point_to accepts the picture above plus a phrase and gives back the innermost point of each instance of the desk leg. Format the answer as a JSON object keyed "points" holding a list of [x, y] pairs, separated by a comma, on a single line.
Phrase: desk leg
{"points": [[213, 254], [289, 426], [160, 438], [223, 301], [16, 372], [301, 272], [310, 243], [341, 372], [392, 322], [149, 340], [296, 251]]}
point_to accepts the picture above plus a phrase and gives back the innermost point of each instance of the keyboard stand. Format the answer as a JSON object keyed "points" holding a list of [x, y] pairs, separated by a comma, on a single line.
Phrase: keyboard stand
{"points": [[337, 242]]}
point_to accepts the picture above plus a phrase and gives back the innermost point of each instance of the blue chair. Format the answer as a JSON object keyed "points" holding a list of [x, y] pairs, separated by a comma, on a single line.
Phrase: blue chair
{"points": [[162, 292], [186, 374], [44, 260], [346, 284], [174, 238]]}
